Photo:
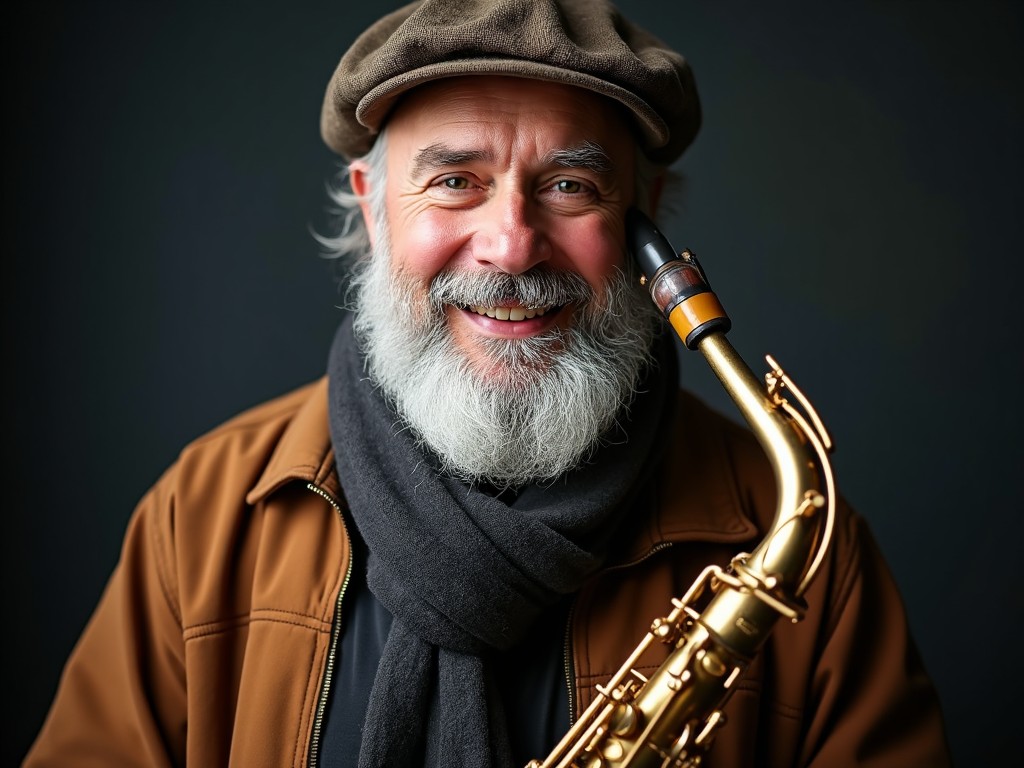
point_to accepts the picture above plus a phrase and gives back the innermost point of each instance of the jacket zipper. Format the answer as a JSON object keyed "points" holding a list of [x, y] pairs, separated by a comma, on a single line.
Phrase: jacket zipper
{"points": [[570, 667], [325, 688], [655, 549], [569, 664]]}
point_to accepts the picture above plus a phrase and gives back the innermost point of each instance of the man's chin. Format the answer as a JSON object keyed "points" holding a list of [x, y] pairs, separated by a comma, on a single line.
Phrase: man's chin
{"points": [[512, 368]]}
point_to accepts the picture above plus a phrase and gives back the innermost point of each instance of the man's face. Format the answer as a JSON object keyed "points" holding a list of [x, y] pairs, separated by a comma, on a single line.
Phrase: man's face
{"points": [[501, 175], [494, 312]]}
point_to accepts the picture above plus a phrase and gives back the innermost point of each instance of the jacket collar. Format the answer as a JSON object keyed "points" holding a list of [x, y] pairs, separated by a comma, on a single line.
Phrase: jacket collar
{"points": [[698, 498], [303, 452]]}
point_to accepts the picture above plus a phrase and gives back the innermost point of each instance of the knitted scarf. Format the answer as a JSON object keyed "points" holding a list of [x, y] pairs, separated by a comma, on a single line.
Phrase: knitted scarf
{"points": [[462, 571]]}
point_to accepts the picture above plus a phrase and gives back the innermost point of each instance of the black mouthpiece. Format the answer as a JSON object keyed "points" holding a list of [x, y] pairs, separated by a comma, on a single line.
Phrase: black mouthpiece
{"points": [[649, 247]]}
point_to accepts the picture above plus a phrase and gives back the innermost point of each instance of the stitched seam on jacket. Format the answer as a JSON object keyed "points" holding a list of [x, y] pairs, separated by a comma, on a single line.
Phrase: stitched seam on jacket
{"points": [[264, 615], [163, 568]]}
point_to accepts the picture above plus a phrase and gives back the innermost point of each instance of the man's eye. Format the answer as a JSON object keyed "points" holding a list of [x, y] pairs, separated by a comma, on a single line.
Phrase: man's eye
{"points": [[456, 182], [569, 187]]}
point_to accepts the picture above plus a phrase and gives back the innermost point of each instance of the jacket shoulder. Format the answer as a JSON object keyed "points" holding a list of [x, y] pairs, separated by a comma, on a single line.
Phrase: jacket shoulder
{"points": [[207, 520], [256, 451]]}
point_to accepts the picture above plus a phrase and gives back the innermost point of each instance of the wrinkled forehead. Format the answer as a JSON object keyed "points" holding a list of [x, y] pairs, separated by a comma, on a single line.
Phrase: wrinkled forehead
{"points": [[496, 106]]}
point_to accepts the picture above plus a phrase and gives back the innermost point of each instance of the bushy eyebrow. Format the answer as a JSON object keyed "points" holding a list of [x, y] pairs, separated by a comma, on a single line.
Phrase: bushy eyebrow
{"points": [[587, 155], [441, 155]]}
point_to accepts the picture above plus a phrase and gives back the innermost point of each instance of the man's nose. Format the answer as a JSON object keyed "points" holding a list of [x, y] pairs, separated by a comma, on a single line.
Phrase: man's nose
{"points": [[510, 236]]}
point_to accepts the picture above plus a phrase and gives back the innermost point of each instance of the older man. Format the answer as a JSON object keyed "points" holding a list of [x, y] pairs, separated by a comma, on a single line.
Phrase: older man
{"points": [[433, 555]]}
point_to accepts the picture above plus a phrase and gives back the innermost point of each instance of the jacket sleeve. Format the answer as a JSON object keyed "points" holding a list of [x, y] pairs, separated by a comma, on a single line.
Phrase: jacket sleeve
{"points": [[875, 704], [121, 697]]}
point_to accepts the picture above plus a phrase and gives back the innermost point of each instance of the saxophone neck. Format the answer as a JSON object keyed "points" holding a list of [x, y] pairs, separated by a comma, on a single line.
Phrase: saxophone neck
{"points": [[797, 446], [792, 435]]}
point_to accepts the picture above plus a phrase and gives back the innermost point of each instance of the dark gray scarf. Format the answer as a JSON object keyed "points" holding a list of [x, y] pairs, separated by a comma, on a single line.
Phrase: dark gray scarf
{"points": [[461, 571]]}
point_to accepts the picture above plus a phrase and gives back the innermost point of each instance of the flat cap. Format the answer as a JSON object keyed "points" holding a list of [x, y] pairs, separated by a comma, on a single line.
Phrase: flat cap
{"points": [[585, 43]]}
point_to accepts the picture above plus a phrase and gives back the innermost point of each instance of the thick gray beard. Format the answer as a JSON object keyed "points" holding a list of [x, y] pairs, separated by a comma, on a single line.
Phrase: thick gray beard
{"points": [[543, 403]]}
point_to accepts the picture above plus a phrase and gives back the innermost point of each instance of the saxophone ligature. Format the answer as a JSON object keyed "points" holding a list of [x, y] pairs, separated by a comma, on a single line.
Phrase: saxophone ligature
{"points": [[715, 629]]}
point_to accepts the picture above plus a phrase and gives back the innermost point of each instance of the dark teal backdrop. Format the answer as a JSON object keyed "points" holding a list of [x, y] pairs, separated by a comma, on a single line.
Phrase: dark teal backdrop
{"points": [[854, 195]]}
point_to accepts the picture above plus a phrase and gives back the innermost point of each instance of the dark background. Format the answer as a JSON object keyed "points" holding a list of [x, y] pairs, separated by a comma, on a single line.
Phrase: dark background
{"points": [[854, 195]]}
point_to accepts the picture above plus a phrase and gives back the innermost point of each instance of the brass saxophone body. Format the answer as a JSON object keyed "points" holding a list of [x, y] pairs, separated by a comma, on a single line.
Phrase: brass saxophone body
{"points": [[714, 630]]}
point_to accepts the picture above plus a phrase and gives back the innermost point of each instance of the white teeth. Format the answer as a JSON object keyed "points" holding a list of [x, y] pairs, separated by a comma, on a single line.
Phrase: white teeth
{"points": [[514, 314]]}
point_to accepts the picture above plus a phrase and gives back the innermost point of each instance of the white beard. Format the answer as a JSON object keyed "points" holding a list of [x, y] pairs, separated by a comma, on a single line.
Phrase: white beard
{"points": [[543, 403]]}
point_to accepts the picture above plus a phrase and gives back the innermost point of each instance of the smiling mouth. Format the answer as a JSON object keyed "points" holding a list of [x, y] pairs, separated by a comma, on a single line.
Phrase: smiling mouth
{"points": [[514, 314]]}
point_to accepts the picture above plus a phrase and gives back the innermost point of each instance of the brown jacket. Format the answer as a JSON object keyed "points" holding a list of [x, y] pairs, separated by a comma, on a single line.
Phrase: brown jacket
{"points": [[211, 645]]}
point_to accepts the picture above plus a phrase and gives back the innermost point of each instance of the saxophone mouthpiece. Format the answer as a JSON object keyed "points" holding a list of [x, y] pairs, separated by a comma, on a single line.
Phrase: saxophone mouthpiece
{"points": [[677, 284], [649, 247]]}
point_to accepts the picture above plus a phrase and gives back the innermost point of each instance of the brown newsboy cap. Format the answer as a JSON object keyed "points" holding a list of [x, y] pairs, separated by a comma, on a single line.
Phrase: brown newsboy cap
{"points": [[586, 43]]}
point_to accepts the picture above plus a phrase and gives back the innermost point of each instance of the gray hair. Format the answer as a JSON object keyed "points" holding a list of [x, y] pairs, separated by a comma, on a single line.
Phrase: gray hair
{"points": [[351, 243]]}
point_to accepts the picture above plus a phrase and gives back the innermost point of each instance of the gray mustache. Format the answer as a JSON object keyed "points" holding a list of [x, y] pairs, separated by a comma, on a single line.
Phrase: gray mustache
{"points": [[536, 288]]}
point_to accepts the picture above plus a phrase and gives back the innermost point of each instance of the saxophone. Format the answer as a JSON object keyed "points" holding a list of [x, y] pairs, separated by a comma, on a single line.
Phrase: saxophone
{"points": [[715, 629]]}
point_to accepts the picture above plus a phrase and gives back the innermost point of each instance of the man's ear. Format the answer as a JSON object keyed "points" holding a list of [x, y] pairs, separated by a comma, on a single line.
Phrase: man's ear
{"points": [[359, 179]]}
